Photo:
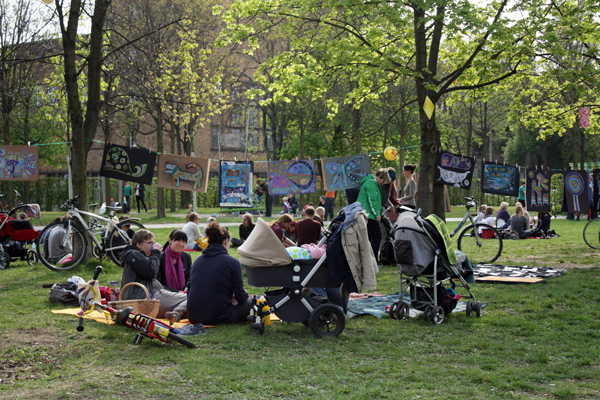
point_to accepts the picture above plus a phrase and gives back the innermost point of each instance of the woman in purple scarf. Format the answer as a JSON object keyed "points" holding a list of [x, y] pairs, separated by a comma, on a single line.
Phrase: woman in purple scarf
{"points": [[175, 264]]}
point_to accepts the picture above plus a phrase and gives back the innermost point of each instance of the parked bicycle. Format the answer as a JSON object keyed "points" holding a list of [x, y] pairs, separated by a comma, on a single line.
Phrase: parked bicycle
{"points": [[62, 245], [591, 233], [482, 243], [89, 299]]}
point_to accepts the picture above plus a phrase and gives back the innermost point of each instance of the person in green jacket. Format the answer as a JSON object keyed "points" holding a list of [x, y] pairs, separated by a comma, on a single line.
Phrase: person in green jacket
{"points": [[127, 194], [370, 198]]}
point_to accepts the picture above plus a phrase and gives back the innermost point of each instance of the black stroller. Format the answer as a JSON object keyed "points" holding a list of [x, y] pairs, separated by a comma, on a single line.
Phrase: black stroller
{"points": [[268, 264], [430, 272]]}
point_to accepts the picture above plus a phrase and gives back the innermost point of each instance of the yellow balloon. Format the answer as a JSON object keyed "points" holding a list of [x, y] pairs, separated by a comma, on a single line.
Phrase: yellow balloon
{"points": [[48, 1], [390, 153]]}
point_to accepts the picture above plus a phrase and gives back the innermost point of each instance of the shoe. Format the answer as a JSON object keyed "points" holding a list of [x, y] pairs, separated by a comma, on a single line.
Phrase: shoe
{"points": [[192, 330], [170, 315]]}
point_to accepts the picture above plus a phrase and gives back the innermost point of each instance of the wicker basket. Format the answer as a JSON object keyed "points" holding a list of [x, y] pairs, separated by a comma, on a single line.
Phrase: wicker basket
{"points": [[147, 307]]}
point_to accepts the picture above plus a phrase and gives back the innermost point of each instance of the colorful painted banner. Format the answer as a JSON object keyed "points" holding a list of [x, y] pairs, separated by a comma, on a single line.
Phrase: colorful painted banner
{"points": [[235, 184], [576, 191], [181, 172], [500, 179], [294, 176], [454, 170], [128, 164], [584, 117], [537, 190], [19, 163], [341, 173]]}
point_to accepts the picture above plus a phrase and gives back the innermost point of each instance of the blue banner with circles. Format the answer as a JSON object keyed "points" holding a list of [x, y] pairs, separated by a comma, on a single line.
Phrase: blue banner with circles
{"points": [[576, 191]]}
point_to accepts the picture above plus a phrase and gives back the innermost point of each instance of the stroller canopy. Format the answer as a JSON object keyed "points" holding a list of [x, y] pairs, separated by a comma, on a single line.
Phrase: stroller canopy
{"points": [[263, 248]]}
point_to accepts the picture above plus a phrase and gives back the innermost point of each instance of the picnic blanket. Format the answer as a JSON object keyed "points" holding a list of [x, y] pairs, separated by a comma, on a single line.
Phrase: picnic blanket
{"points": [[376, 305], [515, 274]]}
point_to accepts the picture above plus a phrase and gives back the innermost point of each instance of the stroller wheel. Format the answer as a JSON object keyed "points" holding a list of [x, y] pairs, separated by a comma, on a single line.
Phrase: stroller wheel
{"points": [[31, 257], [259, 328], [437, 315], [469, 308], [478, 309], [427, 313], [402, 311], [392, 310], [4, 260], [327, 320]]}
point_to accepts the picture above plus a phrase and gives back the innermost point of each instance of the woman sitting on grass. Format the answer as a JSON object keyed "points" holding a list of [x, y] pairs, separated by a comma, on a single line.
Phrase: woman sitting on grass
{"points": [[520, 223], [216, 292], [278, 226]]}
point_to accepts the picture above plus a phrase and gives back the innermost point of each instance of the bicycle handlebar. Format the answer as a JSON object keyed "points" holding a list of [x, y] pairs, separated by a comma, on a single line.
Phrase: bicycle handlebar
{"points": [[70, 202]]}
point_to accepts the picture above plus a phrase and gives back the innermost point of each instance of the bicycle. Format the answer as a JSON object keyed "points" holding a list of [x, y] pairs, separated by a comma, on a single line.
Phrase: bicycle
{"points": [[89, 299], [591, 233], [484, 247], [70, 238]]}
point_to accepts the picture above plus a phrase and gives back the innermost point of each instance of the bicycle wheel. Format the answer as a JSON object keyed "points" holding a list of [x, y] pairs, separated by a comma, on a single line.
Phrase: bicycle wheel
{"points": [[120, 238], [486, 251], [591, 233], [181, 340], [57, 253]]}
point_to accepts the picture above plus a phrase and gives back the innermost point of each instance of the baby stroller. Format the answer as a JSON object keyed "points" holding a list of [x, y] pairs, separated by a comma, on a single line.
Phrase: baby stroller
{"points": [[268, 264], [430, 271], [17, 236]]}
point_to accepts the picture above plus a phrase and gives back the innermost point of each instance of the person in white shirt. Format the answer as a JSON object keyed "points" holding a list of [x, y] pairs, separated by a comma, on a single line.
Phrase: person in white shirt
{"points": [[192, 231]]}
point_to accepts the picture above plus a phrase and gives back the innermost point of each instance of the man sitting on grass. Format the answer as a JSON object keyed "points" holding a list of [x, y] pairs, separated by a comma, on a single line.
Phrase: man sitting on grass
{"points": [[308, 230]]}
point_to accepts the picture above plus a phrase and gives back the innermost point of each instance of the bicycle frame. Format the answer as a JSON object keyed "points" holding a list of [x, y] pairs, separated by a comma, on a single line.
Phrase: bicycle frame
{"points": [[468, 217], [94, 218]]}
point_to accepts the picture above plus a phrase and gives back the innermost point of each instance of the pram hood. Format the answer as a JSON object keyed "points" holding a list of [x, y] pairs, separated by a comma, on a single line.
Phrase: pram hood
{"points": [[263, 248]]}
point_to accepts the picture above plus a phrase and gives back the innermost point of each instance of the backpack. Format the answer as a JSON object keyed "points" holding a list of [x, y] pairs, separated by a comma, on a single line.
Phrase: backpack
{"points": [[510, 234], [387, 255]]}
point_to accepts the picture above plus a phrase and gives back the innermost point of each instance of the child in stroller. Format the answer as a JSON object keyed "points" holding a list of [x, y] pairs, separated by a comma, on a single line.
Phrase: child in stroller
{"points": [[17, 236]]}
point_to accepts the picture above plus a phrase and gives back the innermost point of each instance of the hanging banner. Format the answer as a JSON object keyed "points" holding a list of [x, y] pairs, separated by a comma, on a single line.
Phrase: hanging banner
{"points": [[576, 191], [454, 170], [584, 117], [19, 163], [235, 184], [295, 176], [595, 193], [537, 190], [128, 164], [184, 173], [341, 173], [500, 179]]}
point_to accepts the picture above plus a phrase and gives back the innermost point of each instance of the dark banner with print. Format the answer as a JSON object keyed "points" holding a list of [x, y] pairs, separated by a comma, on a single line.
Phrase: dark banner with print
{"points": [[128, 164]]}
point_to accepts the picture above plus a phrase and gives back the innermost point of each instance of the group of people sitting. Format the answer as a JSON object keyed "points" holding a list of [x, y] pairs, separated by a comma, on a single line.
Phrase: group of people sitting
{"points": [[209, 291], [308, 230], [520, 222]]}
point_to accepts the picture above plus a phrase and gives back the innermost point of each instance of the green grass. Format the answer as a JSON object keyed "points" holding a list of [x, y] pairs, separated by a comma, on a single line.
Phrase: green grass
{"points": [[533, 341]]}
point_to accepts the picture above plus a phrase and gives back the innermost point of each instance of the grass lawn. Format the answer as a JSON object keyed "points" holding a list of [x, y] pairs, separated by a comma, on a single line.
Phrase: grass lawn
{"points": [[532, 341]]}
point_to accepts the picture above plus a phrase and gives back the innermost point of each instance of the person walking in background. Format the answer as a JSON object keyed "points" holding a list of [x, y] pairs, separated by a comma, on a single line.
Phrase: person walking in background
{"points": [[127, 194], [409, 193], [329, 200], [294, 204], [521, 198], [140, 193], [264, 187]]}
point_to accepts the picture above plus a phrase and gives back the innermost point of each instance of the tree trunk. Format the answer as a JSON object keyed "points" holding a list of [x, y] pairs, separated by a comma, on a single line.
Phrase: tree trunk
{"points": [[173, 193], [160, 200]]}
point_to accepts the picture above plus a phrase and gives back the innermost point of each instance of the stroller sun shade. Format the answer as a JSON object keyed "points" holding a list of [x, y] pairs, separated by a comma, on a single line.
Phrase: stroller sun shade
{"points": [[263, 248]]}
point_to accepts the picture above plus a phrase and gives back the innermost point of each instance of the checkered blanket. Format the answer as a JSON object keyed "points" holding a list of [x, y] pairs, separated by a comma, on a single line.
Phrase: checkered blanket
{"points": [[482, 270], [376, 305]]}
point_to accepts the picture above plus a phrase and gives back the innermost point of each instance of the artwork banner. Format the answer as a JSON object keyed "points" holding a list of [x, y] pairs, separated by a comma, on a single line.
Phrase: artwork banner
{"points": [[596, 193], [454, 170], [537, 190], [294, 176], [500, 179], [128, 164], [182, 172], [235, 184], [19, 163], [576, 191], [341, 173]]}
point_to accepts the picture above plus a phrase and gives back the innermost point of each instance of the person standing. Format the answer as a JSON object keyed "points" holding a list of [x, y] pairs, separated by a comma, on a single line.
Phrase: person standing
{"points": [[409, 194], [127, 194], [521, 198], [294, 204], [370, 198], [329, 200], [140, 193], [264, 187]]}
